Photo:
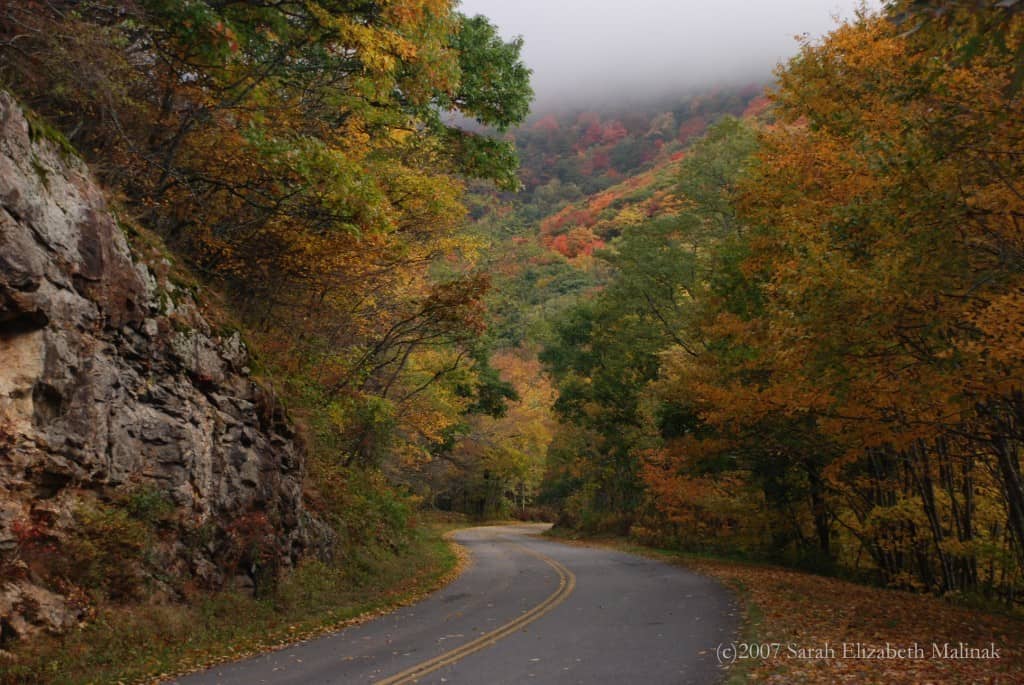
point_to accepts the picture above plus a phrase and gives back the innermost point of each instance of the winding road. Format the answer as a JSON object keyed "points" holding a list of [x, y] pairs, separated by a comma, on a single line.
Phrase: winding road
{"points": [[527, 610]]}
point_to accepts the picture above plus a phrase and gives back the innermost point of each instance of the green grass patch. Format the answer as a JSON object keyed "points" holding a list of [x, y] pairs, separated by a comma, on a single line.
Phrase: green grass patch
{"points": [[40, 129], [751, 631]]}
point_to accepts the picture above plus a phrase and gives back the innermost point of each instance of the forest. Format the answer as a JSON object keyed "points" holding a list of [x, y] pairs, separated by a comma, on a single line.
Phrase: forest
{"points": [[781, 322], [810, 353]]}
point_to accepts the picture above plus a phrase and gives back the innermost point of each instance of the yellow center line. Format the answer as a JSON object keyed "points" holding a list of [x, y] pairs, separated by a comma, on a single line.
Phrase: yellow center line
{"points": [[566, 584]]}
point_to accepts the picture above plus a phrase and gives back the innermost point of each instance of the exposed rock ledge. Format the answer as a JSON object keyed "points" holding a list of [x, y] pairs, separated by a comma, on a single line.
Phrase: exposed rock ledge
{"points": [[111, 382]]}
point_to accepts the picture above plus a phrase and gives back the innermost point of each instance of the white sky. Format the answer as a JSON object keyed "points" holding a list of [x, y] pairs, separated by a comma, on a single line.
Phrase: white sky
{"points": [[597, 51]]}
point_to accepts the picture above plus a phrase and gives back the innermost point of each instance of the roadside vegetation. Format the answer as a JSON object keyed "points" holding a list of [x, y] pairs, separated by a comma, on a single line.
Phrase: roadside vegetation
{"points": [[150, 642], [786, 610]]}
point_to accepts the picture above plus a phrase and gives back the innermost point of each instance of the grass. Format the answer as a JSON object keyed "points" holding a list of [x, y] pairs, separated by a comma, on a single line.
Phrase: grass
{"points": [[803, 610], [750, 632], [40, 129], [448, 521], [140, 644]]}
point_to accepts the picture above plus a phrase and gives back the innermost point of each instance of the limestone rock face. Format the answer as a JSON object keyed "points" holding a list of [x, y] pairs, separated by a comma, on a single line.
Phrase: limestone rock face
{"points": [[111, 380]]}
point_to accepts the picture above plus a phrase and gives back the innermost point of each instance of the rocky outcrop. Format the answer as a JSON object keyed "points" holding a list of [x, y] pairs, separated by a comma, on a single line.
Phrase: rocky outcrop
{"points": [[113, 383]]}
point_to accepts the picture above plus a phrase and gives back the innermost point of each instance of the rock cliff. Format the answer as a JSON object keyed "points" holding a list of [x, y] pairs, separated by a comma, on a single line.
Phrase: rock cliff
{"points": [[123, 412]]}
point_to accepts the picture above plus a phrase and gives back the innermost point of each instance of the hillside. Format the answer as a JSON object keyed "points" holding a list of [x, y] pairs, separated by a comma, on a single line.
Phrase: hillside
{"points": [[808, 358], [541, 246], [542, 239], [236, 303], [289, 290], [130, 422]]}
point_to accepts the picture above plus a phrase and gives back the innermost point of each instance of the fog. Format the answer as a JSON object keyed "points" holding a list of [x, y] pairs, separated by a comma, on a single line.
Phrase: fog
{"points": [[598, 52]]}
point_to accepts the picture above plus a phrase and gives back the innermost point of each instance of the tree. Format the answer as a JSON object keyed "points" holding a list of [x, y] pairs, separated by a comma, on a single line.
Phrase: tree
{"points": [[883, 208], [297, 154]]}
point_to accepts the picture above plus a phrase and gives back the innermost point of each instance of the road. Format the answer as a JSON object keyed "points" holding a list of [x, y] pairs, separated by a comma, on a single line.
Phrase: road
{"points": [[527, 610]]}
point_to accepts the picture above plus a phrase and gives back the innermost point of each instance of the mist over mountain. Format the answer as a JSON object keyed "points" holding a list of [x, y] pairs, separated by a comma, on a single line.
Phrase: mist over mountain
{"points": [[600, 54]]}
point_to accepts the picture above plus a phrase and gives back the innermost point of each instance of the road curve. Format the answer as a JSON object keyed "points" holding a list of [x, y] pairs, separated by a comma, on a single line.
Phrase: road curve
{"points": [[527, 610]]}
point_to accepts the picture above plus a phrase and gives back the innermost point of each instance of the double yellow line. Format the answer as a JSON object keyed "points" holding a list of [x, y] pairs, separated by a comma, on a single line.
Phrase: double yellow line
{"points": [[566, 584]]}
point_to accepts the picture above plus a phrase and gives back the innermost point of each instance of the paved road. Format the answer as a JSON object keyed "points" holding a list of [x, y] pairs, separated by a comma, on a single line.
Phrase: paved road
{"points": [[528, 610]]}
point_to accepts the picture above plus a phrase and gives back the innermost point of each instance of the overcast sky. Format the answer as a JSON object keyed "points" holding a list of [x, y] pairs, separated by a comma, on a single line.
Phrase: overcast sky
{"points": [[596, 51]]}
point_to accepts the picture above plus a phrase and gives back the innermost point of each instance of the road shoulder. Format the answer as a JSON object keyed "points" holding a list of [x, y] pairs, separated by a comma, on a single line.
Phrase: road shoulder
{"points": [[804, 622]]}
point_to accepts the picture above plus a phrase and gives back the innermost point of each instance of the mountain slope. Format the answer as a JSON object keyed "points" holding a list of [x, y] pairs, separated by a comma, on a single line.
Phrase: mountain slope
{"points": [[131, 424]]}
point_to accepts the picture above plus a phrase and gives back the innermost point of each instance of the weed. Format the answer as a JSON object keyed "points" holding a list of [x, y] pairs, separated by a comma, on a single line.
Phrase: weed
{"points": [[39, 129], [142, 643]]}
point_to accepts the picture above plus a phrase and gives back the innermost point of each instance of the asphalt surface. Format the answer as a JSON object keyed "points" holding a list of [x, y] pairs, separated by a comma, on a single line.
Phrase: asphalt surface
{"points": [[527, 610]]}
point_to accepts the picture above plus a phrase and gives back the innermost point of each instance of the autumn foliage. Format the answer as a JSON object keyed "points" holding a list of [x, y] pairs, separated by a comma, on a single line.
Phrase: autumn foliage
{"points": [[298, 156], [838, 378]]}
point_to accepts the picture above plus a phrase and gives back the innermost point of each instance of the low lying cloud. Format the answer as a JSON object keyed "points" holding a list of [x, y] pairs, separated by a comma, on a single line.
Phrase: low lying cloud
{"points": [[597, 52]]}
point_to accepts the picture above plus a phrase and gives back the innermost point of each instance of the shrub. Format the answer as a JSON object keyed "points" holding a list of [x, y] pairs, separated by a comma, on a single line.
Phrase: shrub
{"points": [[106, 551]]}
